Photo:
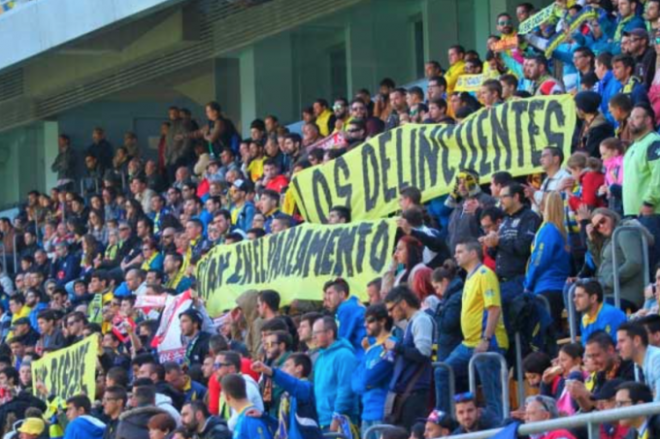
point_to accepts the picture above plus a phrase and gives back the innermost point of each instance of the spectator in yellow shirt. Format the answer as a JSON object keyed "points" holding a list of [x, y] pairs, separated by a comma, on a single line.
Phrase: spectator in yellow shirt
{"points": [[456, 56]]}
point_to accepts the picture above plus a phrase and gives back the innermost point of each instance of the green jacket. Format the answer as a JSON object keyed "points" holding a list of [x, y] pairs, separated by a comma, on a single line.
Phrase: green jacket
{"points": [[641, 173]]}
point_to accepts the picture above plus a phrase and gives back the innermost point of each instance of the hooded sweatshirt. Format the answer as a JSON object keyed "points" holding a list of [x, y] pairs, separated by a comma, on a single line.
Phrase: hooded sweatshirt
{"points": [[133, 423], [371, 380], [86, 427], [350, 317], [332, 382], [248, 304]]}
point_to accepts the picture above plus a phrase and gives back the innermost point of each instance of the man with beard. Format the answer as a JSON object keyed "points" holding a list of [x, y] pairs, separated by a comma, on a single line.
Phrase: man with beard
{"points": [[641, 165], [277, 347]]}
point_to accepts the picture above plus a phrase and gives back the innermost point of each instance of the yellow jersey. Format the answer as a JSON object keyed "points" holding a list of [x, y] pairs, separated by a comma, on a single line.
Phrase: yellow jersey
{"points": [[481, 291]]}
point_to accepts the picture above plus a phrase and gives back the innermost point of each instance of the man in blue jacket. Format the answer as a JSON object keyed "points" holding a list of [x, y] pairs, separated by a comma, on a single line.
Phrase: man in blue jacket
{"points": [[348, 310], [332, 375], [66, 266], [81, 425], [372, 378], [297, 417]]}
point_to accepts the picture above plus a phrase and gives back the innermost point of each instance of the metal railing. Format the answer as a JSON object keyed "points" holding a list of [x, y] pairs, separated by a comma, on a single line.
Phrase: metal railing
{"points": [[4, 259], [15, 239], [615, 263], [570, 306], [520, 376], [376, 428], [452, 382], [504, 376], [590, 420]]}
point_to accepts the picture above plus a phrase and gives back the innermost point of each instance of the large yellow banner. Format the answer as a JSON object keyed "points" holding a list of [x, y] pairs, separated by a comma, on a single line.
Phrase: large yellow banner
{"points": [[509, 137], [297, 263], [69, 371]]}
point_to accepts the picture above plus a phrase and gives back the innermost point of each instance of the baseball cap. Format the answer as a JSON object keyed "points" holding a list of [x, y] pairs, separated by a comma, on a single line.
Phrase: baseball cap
{"points": [[242, 185], [33, 426], [608, 391], [442, 419], [639, 33], [21, 321]]}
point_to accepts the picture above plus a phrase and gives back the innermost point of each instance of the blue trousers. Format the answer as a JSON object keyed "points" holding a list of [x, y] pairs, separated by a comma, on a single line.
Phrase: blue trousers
{"points": [[489, 373]]}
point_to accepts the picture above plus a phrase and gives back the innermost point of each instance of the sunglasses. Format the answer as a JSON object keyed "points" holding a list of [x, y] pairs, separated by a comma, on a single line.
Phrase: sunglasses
{"points": [[219, 365], [503, 23], [600, 223], [371, 320], [657, 40]]}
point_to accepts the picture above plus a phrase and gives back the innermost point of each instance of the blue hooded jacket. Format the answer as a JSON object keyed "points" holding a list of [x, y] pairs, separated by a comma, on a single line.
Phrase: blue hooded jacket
{"points": [[84, 427], [550, 262], [607, 88], [302, 422], [332, 382], [372, 380], [350, 320]]}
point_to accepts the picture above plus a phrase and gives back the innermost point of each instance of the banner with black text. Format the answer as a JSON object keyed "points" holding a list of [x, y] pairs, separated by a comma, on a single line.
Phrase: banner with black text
{"points": [[69, 371], [508, 137], [296, 263]]}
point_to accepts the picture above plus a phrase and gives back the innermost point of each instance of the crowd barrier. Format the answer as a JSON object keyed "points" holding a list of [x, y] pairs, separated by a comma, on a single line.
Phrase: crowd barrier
{"points": [[452, 381], [4, 259], [590, 420], [504, 376], [15, 253]]}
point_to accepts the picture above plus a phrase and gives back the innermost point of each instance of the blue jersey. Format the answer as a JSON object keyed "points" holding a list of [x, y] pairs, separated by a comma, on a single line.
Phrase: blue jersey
{"points": [[248, 427]]}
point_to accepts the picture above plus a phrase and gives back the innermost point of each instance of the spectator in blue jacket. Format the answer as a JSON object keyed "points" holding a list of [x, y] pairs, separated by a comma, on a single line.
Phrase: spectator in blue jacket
{"points": [[297, 417], [332, 375], [607, 85], [81, 424], [348, 310], [243, 210], [596, 315], [372, 378], [623, 68], [66, 266], [550, 262]]}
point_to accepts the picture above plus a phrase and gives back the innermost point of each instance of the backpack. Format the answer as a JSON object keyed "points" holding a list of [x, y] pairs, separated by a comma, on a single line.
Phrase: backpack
{"points": [[528, 317]]}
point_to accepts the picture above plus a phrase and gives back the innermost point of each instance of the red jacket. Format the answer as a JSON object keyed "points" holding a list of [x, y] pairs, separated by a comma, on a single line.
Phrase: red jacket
{"points": [[215, 389], [278, 183], [590, 182]]}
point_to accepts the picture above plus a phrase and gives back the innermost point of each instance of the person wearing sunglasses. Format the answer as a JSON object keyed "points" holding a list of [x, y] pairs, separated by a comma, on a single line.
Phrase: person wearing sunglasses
{"points": [[628, 246], [505, 25]]}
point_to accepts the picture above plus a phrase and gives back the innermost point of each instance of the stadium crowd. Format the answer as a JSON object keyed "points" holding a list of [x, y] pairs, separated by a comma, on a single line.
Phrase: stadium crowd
{"points": [[492, 259]]}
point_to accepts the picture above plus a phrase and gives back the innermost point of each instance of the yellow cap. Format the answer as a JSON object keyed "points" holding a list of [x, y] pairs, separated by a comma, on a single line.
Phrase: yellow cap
{"points": [[32, 426]]}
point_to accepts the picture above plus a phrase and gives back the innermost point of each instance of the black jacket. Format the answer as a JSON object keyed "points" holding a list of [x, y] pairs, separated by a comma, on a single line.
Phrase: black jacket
{"points": [[133, 423], [199, 349], [448, 319], [215, 428], [516, 235]]}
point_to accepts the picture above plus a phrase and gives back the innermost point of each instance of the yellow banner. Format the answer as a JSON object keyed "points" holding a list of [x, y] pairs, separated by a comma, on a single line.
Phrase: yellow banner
{"points": [[297, 263], [507, 137], [545, 15], [585, 14], [69, 371], [472, 83]]}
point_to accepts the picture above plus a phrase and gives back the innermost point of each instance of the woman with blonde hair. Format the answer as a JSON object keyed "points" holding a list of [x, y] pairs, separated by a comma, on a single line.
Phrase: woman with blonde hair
{"points": [[550, 262]]}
